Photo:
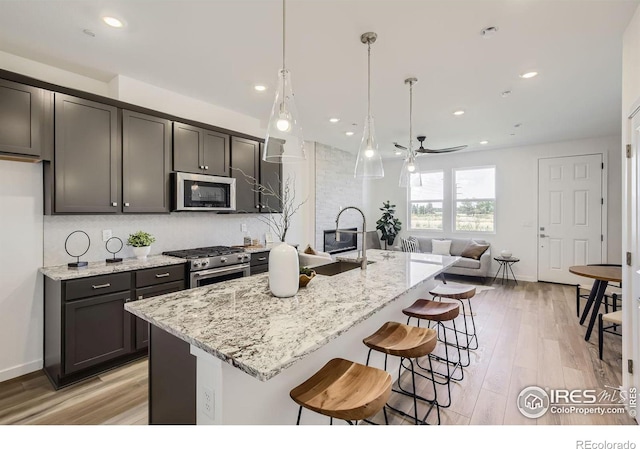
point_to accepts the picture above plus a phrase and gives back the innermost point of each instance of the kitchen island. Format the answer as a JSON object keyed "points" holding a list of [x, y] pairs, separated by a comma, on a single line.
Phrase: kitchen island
{"points": [[252, 348]]}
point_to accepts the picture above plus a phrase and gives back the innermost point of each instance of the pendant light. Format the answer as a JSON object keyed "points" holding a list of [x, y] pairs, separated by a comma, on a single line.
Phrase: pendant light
{"points": [[284, 141], [409, 174], [369, 161]]}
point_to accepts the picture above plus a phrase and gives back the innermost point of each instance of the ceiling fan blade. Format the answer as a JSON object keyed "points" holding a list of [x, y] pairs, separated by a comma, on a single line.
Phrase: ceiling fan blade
{"points": [[397, 145], [442, 150]]}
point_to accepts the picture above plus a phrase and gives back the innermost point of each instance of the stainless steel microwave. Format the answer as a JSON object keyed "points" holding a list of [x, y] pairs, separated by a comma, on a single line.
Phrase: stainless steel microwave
{"points": [[204, 192]]}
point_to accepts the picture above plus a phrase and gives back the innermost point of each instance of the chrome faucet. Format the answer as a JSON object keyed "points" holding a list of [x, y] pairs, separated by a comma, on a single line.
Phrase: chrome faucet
{"points": [[363, 259]]}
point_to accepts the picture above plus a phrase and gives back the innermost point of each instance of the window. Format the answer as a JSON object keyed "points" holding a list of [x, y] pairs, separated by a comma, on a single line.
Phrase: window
{"points": [[426, 202], [475, 199]]}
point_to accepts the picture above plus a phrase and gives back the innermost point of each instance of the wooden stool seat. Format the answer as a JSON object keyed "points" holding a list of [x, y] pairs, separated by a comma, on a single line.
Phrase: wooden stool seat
{"points": [[454, 292], [613, 317], [425, 309], [402, 340], [345, 390]]}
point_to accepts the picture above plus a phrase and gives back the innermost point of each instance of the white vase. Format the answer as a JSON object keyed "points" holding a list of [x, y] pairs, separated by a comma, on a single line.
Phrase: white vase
{"points": [[284, 270], [141, 252]]}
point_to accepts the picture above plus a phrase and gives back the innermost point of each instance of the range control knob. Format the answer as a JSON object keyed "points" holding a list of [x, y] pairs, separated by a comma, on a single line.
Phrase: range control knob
{"points": [[205, 262], [196, 264], [223, 259]]}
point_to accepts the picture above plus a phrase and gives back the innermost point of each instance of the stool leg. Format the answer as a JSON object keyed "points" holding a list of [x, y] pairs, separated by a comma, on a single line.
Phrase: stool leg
{"points": [[299, 413], [600, 335]]}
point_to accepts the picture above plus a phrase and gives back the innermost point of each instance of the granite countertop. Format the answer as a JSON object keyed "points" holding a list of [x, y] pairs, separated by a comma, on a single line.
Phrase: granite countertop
{"points": [[241, 323], [65, 273]]}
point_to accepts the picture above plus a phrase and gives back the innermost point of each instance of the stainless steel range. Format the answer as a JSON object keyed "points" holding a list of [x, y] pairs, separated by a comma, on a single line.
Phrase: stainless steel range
{"points": [[214, 264]]}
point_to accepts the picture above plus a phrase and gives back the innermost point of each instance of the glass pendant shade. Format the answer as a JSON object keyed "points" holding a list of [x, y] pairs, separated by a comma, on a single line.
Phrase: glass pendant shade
{"points": [[284, 142], [410, 173], [369, 161]]}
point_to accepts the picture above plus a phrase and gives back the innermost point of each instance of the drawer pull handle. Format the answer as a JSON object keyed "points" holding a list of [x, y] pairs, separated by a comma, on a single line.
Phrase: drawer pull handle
{"points": [[140, 297], [260, 259], [163, 275], [96, 287], [127, 300]]}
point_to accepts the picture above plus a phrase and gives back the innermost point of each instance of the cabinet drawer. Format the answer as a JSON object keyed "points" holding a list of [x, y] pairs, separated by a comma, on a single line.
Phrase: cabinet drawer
{"points": [[259, 259], [97, 285], [160, 275], [157, 290], [257, 269]]}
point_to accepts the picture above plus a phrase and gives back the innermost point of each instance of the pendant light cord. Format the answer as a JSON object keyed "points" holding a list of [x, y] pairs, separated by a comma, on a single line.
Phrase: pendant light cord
{"points": [[410, 118], [369, 84], [283, 34]]}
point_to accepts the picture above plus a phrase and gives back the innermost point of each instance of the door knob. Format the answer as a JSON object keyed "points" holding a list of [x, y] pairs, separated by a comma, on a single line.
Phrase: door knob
{"points": [[126, 204], [114, 204], [206, 167]]}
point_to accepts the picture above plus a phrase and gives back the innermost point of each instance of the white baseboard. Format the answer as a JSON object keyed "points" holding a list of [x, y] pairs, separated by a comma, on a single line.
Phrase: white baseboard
{"points": [[20, 370]]}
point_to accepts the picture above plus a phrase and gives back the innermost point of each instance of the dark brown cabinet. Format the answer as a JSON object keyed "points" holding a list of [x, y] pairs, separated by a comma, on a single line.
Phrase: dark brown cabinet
{"points": [[259, 262], [198, 150], [245, 168], [146, 163], [271, 177], [87, 157], [86, 328], [22, 117]]}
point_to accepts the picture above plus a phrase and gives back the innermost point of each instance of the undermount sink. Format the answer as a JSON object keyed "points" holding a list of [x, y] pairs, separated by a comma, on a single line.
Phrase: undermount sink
{"points": [[338, 267]]}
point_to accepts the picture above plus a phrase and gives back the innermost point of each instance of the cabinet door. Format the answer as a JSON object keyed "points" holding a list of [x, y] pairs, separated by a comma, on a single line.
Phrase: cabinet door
{"points": [[141, 326], [215, 153], [21, 119], [146, 163], [271, 177], [245, 164], [187, 146], [87, 156], [97, 329]]}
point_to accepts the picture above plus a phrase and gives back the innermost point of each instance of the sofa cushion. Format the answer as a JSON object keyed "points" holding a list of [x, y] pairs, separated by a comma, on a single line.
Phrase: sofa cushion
{"points": [[309, 250], [458, 245], [474, 250], [442, 247], [465, 262], [409, 245]]}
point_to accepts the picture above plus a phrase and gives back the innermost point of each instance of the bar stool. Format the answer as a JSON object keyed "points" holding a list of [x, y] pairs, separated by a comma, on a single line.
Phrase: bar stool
{"points": [[461, 293], [345, 390], [406, 342], [439, 312]]}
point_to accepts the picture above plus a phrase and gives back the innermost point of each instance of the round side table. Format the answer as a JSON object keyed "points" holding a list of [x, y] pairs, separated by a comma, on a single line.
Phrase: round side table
{"points": [[505, 266]]}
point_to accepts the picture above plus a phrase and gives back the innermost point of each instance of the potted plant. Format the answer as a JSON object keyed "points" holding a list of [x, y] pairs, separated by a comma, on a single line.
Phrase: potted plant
{"points": [[388, 225], [141, 242], [306, 274]]}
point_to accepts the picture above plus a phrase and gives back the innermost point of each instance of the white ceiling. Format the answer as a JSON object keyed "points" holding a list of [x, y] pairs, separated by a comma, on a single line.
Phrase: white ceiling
{"points": [[216, 50]]}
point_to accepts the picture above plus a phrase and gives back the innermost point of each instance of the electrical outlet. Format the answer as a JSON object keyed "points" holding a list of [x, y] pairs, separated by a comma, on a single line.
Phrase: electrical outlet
{"points": [[208, 402], [243, 227], [106, 235]]}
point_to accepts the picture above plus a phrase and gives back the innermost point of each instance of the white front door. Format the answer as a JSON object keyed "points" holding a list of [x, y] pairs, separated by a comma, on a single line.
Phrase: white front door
{"points": [[630, 276], [569, 216]]}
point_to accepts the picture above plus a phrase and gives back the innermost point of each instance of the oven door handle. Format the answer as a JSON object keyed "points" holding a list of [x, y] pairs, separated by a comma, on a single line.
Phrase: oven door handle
{"points": [[235, 268]]}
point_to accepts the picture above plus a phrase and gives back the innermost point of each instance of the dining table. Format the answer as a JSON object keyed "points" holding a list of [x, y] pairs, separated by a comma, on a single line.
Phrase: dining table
{"points": [[602, 275]]}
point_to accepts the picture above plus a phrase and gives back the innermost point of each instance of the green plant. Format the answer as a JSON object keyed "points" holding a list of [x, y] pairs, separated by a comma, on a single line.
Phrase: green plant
{"points": [[140, 238], [305, 270], [388, 225]]}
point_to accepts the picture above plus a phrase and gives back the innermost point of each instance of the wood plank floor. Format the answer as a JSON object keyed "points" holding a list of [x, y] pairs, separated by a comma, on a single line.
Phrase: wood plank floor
{"points": [[528, 334]]}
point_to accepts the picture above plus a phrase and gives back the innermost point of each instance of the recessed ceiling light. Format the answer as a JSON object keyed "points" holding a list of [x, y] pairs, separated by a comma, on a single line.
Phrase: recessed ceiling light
{"points": [[113, 22], [484, 142], [334, 120], [529, 75], [260, 87], [460, 112], [349, 133]]}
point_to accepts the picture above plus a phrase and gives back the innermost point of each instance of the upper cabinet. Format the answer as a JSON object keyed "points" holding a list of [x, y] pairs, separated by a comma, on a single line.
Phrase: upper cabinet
{"points": [[22, 120], [146, 163], [270, 177], [198, 150], [87, 157], [245, 168]]}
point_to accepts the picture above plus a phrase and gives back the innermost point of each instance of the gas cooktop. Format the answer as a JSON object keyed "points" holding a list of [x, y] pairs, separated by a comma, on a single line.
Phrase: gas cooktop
{"points": [[199, 253]]}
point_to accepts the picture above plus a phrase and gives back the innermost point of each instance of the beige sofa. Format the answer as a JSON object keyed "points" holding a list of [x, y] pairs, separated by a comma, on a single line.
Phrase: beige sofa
{"points": [[465, 266]]}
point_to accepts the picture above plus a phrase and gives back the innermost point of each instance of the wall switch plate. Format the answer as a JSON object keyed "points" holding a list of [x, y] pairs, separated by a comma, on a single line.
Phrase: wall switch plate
{"points": [[243, 227], [208, 402], [106, 235]]}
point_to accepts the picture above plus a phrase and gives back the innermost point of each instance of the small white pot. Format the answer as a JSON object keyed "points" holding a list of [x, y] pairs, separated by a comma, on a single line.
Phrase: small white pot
{"points": [[141, 252]]}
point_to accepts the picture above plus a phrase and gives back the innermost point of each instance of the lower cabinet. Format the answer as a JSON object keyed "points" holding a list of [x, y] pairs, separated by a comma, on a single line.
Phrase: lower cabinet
{"points": [[86, 329], [259, 263]]}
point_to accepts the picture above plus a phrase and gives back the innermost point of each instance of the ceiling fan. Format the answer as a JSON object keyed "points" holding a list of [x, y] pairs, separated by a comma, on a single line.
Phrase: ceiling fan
{"points": [[424, 150]]}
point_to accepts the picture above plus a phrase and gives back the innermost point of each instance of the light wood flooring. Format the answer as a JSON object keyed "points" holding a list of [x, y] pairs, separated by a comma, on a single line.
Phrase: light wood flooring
{"points": [[529, 335]]}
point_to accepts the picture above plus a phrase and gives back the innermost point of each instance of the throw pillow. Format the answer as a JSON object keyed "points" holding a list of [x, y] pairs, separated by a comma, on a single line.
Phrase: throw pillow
{"points": [[441, 247], [409, 245], [309, 250], [474, 250]]}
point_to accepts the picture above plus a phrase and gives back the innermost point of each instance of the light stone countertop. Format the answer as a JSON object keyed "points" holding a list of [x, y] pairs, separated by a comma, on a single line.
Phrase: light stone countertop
{"points": [[65, 273], [241, 323]]}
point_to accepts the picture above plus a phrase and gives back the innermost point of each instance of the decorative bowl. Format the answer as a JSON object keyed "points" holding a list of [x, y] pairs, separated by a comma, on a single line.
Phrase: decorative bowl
{"points": [[304, 279], [505, 253]]}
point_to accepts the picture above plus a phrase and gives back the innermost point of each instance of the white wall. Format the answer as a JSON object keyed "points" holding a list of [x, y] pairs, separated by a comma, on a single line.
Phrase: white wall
{"points": [[21, 303], [516, 194]]}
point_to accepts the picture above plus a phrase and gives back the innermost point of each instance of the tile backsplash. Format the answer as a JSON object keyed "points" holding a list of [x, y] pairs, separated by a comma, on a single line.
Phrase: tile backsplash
{"points": [[180, 230]]}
